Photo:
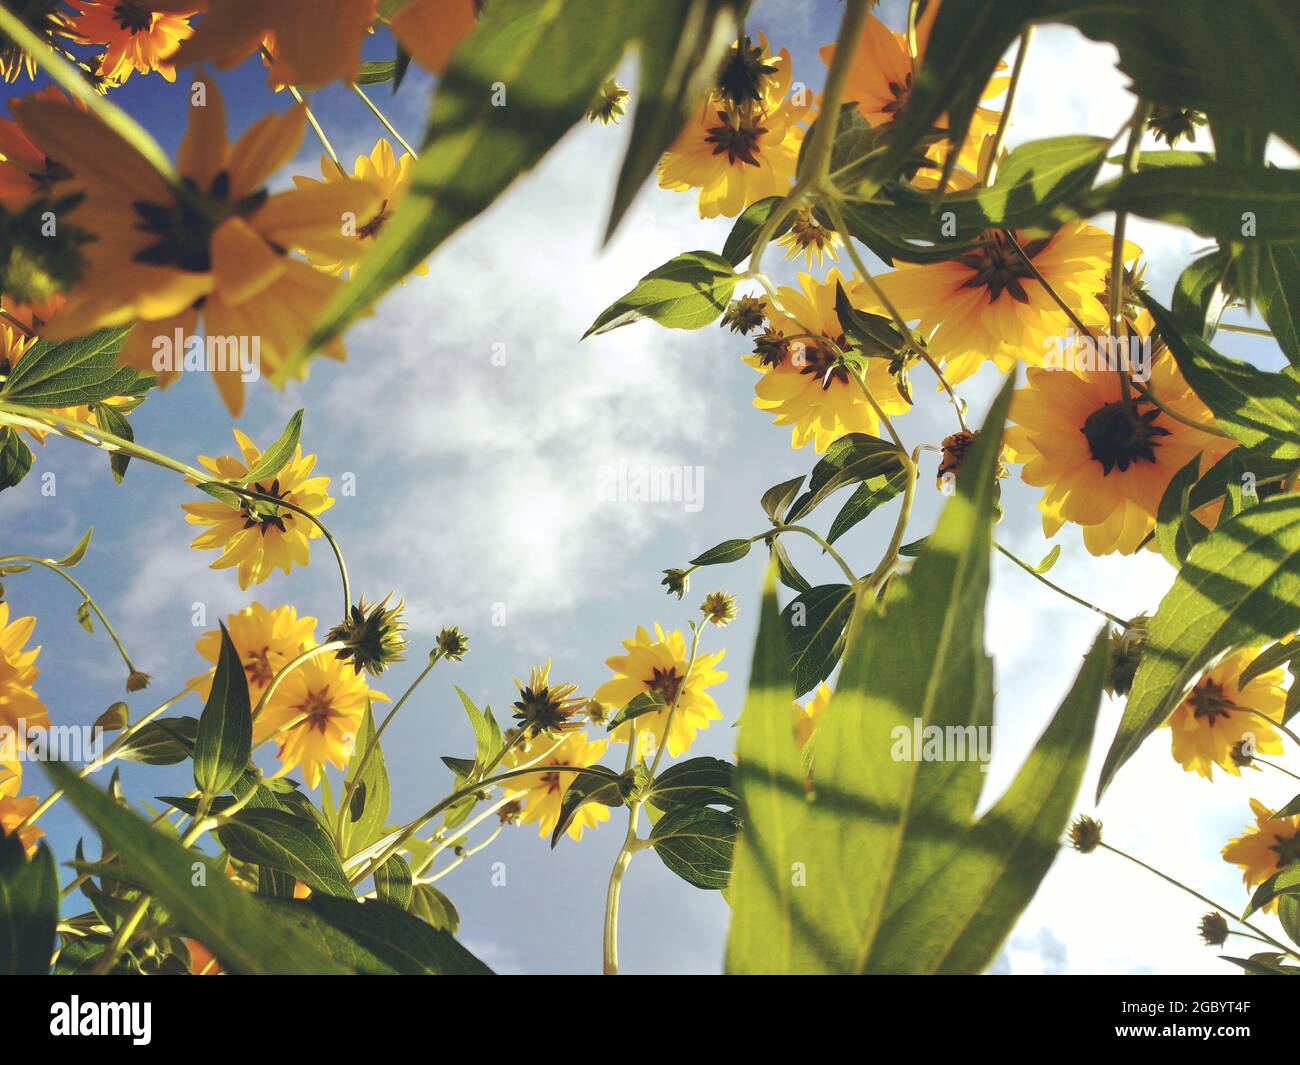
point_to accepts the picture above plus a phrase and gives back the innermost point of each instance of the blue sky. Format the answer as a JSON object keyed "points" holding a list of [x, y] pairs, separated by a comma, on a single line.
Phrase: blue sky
{"points": [[477, 497]]}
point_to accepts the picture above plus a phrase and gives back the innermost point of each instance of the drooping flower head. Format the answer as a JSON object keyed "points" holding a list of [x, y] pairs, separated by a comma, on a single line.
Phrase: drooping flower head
{"points": [[809, 238], [803, 384], [265, 640], [315, 716], [737, 153], [1266, 847], [1105, 465], [259, 537], [26, 172], [544, 707], [658, 664], [137, 38], [214, 247], [543, 791], [1220, 712]]}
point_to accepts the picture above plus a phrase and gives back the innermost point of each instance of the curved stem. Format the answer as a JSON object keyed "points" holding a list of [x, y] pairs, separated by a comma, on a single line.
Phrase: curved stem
{"points": [[613, 892], [1140, 114], [1061, 591], [818, 539], [900, 526], [464, 830], [1274, 765], [290, 666], [384, 119]]}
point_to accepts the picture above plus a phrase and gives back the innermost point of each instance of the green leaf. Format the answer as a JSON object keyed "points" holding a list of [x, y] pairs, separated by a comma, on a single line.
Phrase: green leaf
{"points": [[77, 553], [695, 782], [740, 241], [681, 43], [1048, 560], [487, 733], [1288, 914], [69, 373], [696, 843], [1282, 883], [870, 494], [1278, 295], [224, 742], [1239, 586], [164, 742], [83, 616], [1266, 963], [852, 458], [374, 938], [511, 90], [687, 292], [111, 420], [727, 551], [1269, 659], [814, 629], [278, 455], [15, 458], [868, 334], [365, 819], [789, 575], [1209, 200], [1200, 297], [777, 499], [287, 841], [1177, 532], [769, 777], [1254, 407], [431, 905], [377, 71], [115, 718], [394, 883], [245, 935], [646, 702], [584, 789], [29, 908]]}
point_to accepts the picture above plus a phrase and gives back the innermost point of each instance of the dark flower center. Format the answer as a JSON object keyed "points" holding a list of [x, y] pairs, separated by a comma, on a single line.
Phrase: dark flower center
{"points": [[1119, 434], [1288, 850], [743, 73], [737, 136], [665, 683], [372, 228], [184, 227], [817, 359], [900, 94], [998, 266], [1209, 703], [133, 16], [318, 709], [266, 522], [259, 669]]}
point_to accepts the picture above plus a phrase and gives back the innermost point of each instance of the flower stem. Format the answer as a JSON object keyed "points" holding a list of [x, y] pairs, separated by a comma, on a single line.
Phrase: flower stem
{"points": [[1140, 114], [999, 135], [624, 859], [817, 538], [1061, 591], [384, 119], [289, 667]]}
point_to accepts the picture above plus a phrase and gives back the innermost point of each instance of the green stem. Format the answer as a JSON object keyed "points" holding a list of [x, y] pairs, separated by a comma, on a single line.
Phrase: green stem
{"points": [[384, 119], [1274, 765], [1061, 591], [1247, 329], [1018, 64], [614, 891], [816, 538], [289, 667], [1140, 114], [887, 563]]}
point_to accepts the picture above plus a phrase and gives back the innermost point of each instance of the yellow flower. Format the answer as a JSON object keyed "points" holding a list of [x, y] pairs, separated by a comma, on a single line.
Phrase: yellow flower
{"points": [[809, 238], [658, 665], [266, 641], [804, 389], [986, 305], [26, 172], [254, 541], [15, 809], [389, 177], [1103, 469], [1266, 847], [807, 718], [430, 30], [320, 706], [1217, 715], [138, 38], [543, 792], [880, 82], [736, 155], [216, 248], [313, 42], [19, 705]]}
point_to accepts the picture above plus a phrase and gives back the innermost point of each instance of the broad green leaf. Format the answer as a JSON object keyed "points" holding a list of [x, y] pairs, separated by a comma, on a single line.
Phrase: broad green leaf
{"points": [[374, 938], [524, 77], [814, 624], [867, 334], [680, 43], [367, 814], [696, 843], [1288, 914], [431, 905], [224, 741], [739, 245], [769, 778], [29, 908], [164, 742], [1212, 200], [289, 842], [1269, 659], [394, 883], [15, 458], [1177, 532], [727, 551], [278, 455], [1253, 406], [487, 733], [870, 494], [69, 373], [1278, 294], [852, 458], [695, 782], [1283, 882], [646, 702], [245, 936], [957, 921], [1239, 586], [115, 718], [585, 789], [1266, 963], [687, 292]]}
